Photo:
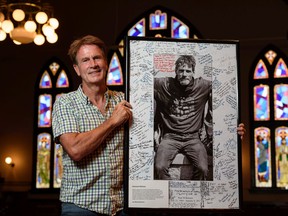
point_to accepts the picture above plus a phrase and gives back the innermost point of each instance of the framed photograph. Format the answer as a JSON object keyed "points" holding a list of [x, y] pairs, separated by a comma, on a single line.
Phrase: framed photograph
{"points": [[182, 150]]}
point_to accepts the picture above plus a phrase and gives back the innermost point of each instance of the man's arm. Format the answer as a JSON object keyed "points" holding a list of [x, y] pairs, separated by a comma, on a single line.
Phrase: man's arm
{"points": [[208, 121], [79, 145]]}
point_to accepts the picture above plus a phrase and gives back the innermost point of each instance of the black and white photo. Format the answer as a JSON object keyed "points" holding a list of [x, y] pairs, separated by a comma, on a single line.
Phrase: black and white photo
{"points": [[180, 120], [182, 150]]}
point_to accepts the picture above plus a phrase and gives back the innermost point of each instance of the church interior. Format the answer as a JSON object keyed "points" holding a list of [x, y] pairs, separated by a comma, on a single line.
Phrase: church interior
{"points": [[258, 27]]}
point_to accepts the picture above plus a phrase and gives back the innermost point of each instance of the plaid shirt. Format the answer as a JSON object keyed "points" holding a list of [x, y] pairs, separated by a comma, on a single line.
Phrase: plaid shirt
{"points": [[96, 181]]}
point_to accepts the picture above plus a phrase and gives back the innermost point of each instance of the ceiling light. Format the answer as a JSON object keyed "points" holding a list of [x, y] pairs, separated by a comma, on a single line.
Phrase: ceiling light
{"points": [[23, 21]]}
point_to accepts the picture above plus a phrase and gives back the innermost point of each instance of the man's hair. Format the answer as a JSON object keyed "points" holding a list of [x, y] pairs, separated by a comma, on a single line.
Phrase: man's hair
{"points": [[185, 59], [86, 40]]}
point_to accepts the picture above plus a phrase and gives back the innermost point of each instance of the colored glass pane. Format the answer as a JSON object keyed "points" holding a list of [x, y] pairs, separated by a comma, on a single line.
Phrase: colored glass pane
{"points": [[114, 76], [54, 67], [43, 160], [58, 166], [158, 35], [45, 81], [195, 36], [179, 29], [138, 29], [281, 146], [261, 103], [158, 20], [270, 56], [261, 71], [44, 110], [280, 69], [121, 47], [62, 81], [281, 102], [262, 157]]}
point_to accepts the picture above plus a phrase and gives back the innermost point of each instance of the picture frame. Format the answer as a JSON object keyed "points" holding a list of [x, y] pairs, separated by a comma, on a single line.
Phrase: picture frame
{"points": [[217, 61]]}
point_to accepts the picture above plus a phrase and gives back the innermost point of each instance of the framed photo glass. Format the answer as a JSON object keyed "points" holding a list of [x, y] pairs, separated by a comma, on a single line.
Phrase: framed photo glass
{"points": [[182, 150]]}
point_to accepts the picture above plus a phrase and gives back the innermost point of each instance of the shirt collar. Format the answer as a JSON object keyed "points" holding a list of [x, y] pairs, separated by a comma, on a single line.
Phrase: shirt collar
{"points": [[85, 99]]}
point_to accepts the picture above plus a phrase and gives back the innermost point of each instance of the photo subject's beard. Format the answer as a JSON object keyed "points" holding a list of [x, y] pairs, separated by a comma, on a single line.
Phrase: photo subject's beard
{"points": [[186, 81]]}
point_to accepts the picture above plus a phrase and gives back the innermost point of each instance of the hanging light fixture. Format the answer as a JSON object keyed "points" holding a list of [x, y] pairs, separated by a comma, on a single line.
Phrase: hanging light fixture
{"points": [[27, 21]]}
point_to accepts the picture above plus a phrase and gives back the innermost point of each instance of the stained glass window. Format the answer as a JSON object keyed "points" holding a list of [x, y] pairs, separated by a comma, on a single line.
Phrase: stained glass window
{"points": [[179, 29], [270, 56], [281, 69], [45, 81], [281, 144], [156, 22], [262, 157], [270, 113], [138, 29], [261, 103], [121, 47], [260, 71], [43, 160], [114, 76], [45, 107], [281, 101], [62, 80], [53, 81], [54, 66], [58, 167]]}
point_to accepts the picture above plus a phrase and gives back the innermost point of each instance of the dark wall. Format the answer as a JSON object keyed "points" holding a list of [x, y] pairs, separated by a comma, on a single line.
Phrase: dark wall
{"points": [[255, 23]]}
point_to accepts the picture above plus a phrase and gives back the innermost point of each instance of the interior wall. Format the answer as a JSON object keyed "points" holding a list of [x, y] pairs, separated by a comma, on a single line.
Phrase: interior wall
{"points": [[254, 23]]}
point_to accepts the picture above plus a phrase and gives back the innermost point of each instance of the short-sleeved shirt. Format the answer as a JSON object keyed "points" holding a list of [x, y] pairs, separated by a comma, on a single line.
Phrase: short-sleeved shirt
{"points": [[96, 181], [181, 108]]}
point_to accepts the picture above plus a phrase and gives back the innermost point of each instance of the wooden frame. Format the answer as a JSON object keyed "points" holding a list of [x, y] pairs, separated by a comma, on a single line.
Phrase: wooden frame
{"points": [[217, 61]]}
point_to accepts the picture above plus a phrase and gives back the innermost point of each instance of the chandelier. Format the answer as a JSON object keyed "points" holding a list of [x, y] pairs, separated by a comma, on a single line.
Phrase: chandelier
{"points": [[27, 21]]}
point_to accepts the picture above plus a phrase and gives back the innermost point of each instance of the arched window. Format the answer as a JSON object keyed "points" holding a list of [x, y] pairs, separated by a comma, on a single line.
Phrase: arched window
{"points": [[156, 22], [269, 130], [53, 80]]}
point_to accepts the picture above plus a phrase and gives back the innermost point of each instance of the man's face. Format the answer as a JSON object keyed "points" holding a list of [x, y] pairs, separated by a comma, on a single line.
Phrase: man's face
{"points": [[91, 65], [185, 74]]}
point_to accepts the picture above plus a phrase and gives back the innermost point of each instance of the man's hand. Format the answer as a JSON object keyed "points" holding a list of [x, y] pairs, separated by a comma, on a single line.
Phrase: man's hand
{"points": [[241, 130], [122, 113]]}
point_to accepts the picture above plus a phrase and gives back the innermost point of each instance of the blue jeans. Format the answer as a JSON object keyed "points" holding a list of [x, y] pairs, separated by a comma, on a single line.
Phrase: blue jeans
{"points": [[190, 145], [70, 209]]}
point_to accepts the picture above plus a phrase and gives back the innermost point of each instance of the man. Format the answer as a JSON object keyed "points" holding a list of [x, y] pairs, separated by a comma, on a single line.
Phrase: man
{"points": [[182, 106], [89, 124]]}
